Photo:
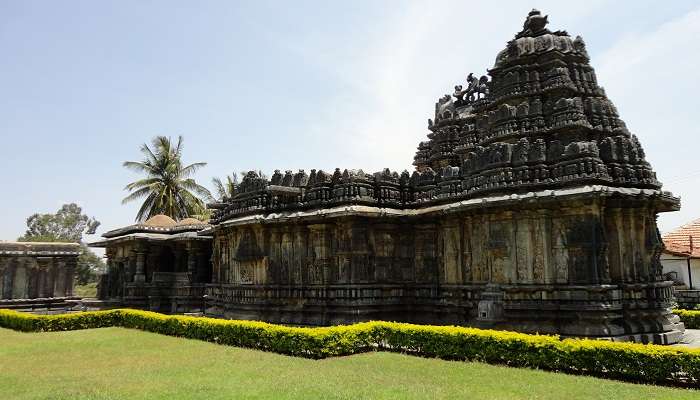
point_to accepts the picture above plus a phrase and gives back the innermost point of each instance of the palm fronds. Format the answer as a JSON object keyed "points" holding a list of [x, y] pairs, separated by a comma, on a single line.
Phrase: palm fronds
{"points": [[168, 187], [225, 189]]}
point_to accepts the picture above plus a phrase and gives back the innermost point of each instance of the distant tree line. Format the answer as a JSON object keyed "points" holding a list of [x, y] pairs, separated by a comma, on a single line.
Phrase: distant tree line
{"points": [[68, 224], [168, 187]]}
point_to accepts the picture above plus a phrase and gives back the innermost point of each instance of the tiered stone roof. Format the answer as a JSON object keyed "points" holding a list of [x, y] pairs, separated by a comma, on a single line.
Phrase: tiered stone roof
{"points": [[543, 121], [538, 121], [161, 224]]}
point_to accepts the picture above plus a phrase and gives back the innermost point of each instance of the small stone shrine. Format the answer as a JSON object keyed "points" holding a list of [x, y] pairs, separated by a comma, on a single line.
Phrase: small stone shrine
{"points": [[160, 265], [34, 270], [531, 208]]}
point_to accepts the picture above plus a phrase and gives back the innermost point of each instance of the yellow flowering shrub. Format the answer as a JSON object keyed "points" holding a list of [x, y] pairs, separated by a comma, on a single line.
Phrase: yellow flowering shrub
{"points": [[628, 361], [691, 318]]}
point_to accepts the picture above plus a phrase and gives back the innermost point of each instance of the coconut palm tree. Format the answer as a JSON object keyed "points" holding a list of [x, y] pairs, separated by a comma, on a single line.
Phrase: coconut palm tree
{"points": [[168, 187], [225, 189]]}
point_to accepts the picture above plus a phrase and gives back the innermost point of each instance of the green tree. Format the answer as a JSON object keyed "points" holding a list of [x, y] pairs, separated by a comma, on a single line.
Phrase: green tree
{"points": [[168, 187], [68, 224], [89, 264]]}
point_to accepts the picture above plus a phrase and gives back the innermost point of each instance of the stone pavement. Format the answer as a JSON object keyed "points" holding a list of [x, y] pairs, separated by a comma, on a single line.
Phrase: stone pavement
{"points": [[691, 338]]}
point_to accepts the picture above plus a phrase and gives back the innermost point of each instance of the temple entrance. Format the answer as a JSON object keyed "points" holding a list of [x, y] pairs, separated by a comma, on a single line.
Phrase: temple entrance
{"points": [[165, 261]]}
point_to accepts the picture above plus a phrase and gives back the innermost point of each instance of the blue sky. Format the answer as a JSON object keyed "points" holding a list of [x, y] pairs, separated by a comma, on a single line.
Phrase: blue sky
{"points": [[289, 85]]}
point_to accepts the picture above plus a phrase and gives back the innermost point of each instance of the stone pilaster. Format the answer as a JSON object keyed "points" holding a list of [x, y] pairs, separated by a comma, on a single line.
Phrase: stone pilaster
{"points": [[140, 274], [70, 276], [192, 255]]}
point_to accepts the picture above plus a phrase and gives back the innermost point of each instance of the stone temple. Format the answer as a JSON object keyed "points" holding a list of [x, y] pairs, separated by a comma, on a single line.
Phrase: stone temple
{"points": [[160, 264], [36, 270], [531, 208]]}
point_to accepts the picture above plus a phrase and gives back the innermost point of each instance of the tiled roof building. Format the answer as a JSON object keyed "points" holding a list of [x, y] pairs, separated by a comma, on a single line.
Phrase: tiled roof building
{"points": [[684, 240], [681, 262]]}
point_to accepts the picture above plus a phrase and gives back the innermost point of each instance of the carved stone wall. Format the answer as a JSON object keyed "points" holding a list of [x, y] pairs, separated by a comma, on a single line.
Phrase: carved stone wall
{"points": [[156, 272], [37, 270], [585, 264], [532, 207]]}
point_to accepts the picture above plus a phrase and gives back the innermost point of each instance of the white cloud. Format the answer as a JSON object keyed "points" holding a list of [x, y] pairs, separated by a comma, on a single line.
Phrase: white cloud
{"points": [[660, 47]]}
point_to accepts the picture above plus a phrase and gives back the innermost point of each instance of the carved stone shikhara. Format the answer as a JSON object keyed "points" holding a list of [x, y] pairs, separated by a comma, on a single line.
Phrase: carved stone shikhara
{"points": [[531, 207]]}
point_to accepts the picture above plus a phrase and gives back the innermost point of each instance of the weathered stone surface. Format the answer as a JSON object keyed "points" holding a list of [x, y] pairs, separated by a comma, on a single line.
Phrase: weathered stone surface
{"points": [[161, 265], [31, 270], [532, 207], [553, 266]]}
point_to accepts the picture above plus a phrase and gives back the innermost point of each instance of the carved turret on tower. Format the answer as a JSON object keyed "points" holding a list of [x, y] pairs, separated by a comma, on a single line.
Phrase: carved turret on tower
{"points": [[543, 122]]}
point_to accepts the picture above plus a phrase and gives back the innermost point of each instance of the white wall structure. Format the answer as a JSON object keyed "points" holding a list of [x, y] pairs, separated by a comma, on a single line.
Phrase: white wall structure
{"points": [[676, 265]]}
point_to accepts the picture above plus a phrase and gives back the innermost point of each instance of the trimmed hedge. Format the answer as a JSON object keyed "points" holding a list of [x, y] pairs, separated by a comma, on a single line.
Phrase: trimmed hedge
{"points": [[690, 318], [628, 361]]}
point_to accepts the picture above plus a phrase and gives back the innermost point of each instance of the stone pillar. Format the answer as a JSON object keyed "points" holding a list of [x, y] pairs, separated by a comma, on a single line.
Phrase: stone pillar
{"points": [[19, 284], [467, 255], [51, 274], [59, 288], [524, 247], [361, 270], [426, 269], [274, 265], [192, 262], [8, 279], [219, 259], [109, 278], [451, 260], [69, 276], [40, 272], [140, 275], [215, 260], [104, 288], [630, 246], [130, 267], [318, 266], [301, 251]]}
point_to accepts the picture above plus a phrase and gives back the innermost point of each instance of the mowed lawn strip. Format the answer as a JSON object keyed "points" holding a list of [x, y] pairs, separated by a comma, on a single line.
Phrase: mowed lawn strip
{"points": [[118, 363]]}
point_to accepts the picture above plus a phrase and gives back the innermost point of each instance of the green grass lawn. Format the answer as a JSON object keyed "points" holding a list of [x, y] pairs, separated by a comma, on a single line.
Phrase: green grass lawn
{"points": [[118, 363], [87, 290]]}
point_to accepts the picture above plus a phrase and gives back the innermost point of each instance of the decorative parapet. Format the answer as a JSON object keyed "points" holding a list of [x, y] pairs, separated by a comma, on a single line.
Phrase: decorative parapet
{"points": [[498, 168], [39, 249], [283, 216]]}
